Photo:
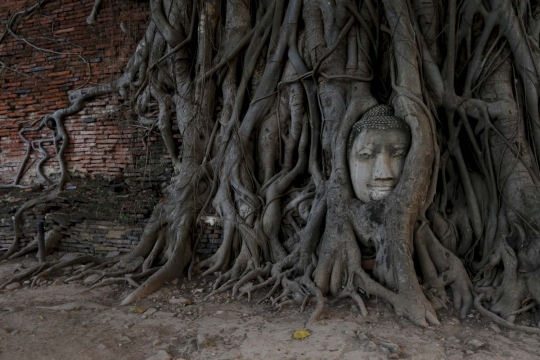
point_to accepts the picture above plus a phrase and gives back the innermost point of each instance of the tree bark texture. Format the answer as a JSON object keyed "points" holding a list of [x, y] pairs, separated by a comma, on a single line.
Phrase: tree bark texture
{"points": [[265, 95]]}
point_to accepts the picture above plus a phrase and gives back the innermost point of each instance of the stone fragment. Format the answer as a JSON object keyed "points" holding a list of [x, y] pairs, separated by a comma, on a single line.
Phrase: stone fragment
{"points": [[112, 254], [164, 314], [150, 312], [394, 349], [100, 347], [453, 339], [156, 342], [13, 286], [179, 301], [432, 334], [69, 256], [475, 344], [91, 279], [495, 328], [362, 337], [370, 346], [201, 341], [123, 339], [161, 355]]}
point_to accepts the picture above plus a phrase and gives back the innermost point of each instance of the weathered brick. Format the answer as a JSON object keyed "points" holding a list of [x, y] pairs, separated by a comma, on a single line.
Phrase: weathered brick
{"points": [[27, 91], [55, 57], [103, 143]]}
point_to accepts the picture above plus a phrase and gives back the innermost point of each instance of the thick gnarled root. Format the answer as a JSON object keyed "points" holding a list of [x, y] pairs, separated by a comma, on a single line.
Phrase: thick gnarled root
{"points": [[52, 239], [411, 305], [499, 320], [42, 270], [441, 268]]}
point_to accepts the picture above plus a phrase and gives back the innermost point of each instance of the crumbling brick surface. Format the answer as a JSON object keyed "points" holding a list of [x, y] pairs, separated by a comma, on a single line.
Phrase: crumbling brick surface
{"points": [[72, 54], [118, 169], [95, 217]]}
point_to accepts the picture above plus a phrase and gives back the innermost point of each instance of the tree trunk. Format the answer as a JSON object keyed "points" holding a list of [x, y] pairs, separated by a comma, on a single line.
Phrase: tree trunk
{"points": [[265, 95]]}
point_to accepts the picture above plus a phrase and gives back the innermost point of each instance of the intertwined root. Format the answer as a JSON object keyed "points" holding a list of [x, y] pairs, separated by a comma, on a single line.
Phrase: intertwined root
{"points": [[499, 320], [41, 270], [295, 290], [304, 104]]}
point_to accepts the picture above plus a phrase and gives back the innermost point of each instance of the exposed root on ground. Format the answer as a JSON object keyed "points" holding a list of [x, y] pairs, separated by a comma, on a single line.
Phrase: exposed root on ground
{"points": [[265, 99]]}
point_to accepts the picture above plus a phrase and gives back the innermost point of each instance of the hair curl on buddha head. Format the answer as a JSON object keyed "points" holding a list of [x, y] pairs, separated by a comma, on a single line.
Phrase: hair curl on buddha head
{"points": [[379, 117]]}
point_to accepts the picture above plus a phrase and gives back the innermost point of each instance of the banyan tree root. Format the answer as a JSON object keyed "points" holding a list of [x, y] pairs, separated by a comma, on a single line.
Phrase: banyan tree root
{"points": [[52, 239], [41, 270], [266, 96], [92, 18], [500, 321]]}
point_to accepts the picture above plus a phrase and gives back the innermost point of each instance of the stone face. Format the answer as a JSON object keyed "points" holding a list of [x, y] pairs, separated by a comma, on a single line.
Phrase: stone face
{"points": [[376, 154]]}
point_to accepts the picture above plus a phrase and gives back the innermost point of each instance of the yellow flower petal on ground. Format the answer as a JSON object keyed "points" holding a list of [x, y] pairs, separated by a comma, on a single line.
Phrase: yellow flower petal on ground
{"points": [[301, 334], [137, 309]]}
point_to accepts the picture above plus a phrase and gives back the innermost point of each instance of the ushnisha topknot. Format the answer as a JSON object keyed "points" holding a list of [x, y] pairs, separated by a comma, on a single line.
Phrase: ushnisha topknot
{"points": [[379, 117]]}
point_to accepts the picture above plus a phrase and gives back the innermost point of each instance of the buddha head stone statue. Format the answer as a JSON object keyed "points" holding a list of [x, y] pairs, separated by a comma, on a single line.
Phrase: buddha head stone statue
{"points": [[377, 148]]}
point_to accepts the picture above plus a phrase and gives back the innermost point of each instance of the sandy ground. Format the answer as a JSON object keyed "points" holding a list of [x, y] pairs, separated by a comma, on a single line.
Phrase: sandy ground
{"points": [[161, 327]]}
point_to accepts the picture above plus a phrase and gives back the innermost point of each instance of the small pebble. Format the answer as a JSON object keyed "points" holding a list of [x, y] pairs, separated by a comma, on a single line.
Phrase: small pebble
{"points": [[394, 349], [370, 346], [161, 355], [201, 341], [475, 344], [156, 342], [495, 328], [13, 286]]}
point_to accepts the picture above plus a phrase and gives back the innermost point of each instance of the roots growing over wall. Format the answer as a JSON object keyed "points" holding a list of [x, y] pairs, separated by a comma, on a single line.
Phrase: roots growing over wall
{"points": [[265, 95]]}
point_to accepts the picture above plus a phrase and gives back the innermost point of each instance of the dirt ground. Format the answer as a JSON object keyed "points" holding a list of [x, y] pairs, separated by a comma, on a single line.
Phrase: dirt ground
{"points": [[94, 326]]}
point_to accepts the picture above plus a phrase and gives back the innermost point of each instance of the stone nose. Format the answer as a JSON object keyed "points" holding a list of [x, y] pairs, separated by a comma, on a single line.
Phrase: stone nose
{"points": [[382, 169]]}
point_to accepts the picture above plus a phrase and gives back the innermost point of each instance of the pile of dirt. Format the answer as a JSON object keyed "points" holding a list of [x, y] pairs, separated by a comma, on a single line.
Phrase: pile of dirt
{"points": [[62, 321]]}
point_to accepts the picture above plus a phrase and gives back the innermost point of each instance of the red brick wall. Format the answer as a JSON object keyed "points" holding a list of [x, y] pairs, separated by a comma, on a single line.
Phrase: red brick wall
{"points": [[103, 141]]}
